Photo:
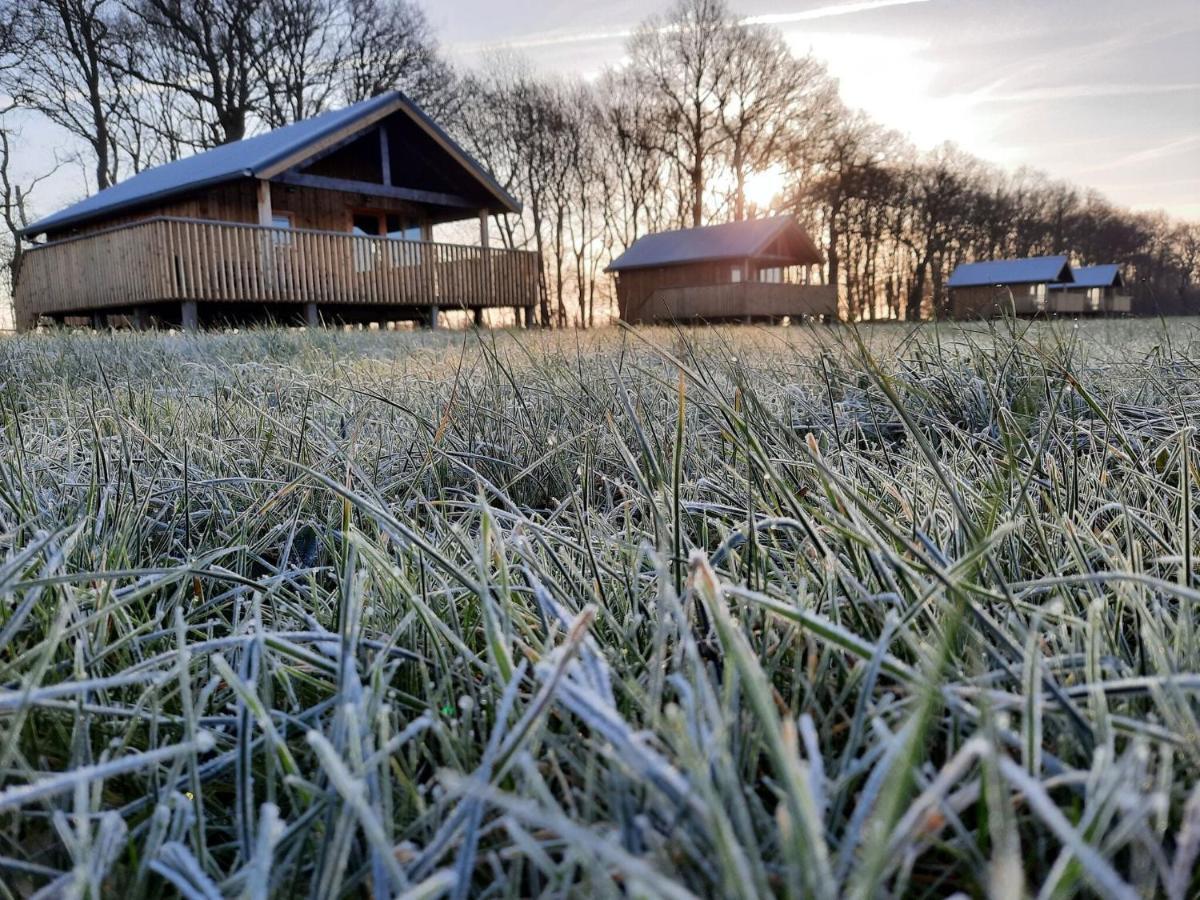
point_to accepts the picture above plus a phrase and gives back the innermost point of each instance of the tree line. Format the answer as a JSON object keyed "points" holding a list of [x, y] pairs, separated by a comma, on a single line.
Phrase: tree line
{"points": [[675, 136]]}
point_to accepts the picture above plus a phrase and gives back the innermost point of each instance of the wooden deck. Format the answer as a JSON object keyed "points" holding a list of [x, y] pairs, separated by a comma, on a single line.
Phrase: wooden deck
{"points": [[185, 264], [741, 300]]}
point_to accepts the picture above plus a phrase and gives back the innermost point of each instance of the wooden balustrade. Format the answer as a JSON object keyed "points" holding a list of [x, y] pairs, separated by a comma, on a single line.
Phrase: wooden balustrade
{"points": [[171, 259]]}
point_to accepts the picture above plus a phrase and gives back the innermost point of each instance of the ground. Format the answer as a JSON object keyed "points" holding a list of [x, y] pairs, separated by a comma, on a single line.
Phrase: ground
{"points": [[742, 612]]}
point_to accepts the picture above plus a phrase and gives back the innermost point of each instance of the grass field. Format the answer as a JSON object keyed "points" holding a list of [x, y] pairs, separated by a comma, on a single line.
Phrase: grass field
{"points": [[740, 613]]}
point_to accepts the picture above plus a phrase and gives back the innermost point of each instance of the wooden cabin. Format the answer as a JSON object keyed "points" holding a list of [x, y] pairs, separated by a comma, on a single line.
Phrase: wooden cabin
{"points": [[329, 219], [758, 269], [1015, 286], [1096, 290]]}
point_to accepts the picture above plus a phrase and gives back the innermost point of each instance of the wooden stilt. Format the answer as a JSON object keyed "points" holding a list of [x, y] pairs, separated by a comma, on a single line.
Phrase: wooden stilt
{"points": [[312, 316], [189, 315], [477, 316], [433, 317]]}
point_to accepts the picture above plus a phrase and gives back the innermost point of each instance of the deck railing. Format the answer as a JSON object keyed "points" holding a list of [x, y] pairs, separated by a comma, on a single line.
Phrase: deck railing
{"points": [[171, 259]]}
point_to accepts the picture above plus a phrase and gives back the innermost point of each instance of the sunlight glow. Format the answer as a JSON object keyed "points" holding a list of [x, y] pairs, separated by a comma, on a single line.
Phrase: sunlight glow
{"points": [[763, 188]]}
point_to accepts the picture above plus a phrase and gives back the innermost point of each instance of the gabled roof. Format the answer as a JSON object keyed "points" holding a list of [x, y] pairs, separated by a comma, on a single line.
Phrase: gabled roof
{"points": [[736, 240], [1035, 270], [1094, 277], [257, 157]]}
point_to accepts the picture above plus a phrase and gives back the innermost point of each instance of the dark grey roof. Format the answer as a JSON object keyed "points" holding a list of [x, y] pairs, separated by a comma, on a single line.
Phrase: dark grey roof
{"points": [[244, 159], [736, 240], [1094, 277], [1035, 270]]}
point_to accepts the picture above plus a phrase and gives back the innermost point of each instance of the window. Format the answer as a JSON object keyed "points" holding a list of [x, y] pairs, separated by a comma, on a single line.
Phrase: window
{"points": [[281, 221], [771, 276], [377, 223], [735, 274]]}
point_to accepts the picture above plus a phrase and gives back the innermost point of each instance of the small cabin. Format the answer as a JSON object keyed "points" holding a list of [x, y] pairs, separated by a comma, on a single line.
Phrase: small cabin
{"points": [[327, 220], [755, 270], [1015, 286], [1096, 290]]}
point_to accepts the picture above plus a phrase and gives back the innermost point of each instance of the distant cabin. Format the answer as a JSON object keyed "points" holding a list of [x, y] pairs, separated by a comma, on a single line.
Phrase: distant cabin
{"points": [[1096, 290], [1016, 286], [328, 219], [758, 269]]}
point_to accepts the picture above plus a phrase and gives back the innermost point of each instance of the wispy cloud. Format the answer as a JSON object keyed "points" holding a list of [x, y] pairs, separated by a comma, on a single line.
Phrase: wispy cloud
{"points": [[1164, 150], [831, 11], [564, 38], [1084, 92]]}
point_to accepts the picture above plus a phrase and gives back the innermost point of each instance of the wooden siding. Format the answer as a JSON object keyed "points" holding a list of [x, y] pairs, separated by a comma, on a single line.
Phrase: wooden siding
{"points": [[637, 286], [988, 302], [747, 299], [172, 259]]}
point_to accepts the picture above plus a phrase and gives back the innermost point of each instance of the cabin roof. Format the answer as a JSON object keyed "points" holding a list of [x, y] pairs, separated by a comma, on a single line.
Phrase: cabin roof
{"points": [[735, 240], [1094, 277], [1034, 270], [258, 156]]}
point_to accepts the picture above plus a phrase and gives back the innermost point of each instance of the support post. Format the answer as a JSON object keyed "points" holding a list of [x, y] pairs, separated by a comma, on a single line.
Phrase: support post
{"points": [[477, 316], [265, 214], [312, 316], [529, 316], [138, 319], [486, 262], [266, 218], [189, 315], [433, 317]]}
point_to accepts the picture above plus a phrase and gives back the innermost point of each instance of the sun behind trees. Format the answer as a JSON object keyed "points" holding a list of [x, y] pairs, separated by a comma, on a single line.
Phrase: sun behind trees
{"points": [[705, 107]]}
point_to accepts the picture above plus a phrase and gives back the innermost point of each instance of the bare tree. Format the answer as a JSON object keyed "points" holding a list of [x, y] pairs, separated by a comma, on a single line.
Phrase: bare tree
{"points": [[66, 74], [683, 59], [389, 45], [770, 94], [206, 52], [298, 78], [14, 211]]}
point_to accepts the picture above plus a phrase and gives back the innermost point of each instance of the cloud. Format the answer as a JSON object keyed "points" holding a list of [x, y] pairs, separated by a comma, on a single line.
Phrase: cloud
{"points": [[1164, 150], [562, 38], [829, 12], [1085, 92]]}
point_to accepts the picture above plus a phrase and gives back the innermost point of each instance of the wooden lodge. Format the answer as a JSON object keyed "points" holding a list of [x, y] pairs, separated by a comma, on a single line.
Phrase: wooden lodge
{"points": [[1096, 290], [1018, 287], [756, 270], [330, 219]]}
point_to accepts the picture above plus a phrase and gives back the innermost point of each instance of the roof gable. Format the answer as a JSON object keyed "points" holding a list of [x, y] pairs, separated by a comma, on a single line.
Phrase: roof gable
{"points": [[1034, 270], [1095, 277], [262, 156], [735, 240]]}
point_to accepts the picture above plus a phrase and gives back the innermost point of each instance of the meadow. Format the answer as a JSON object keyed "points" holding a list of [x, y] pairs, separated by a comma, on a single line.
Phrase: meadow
{"points": [[801, 612]]}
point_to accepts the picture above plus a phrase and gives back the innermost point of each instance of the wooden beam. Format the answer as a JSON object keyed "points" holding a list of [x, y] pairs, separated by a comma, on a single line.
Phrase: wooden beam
{"points": [[322, 182], [385, 156]]}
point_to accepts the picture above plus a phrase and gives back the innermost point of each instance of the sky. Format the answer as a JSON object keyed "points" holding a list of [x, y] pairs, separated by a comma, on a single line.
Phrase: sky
{"points": [[1105, 93]]}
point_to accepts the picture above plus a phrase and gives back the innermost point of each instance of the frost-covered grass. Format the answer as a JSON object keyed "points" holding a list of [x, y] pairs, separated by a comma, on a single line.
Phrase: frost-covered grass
{"points": [[729, 613]]}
